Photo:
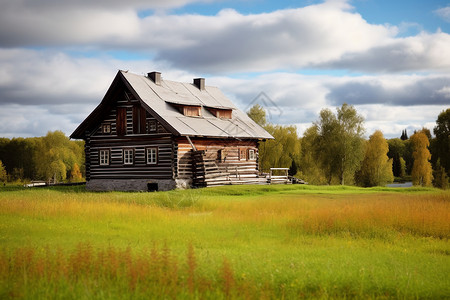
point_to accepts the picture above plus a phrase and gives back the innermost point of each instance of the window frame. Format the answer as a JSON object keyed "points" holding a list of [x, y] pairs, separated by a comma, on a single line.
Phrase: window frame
{"points": [[242, 154], [106, 128], [152, 123], [147, 151], [253, 156], [125, 158], [106, 159]]}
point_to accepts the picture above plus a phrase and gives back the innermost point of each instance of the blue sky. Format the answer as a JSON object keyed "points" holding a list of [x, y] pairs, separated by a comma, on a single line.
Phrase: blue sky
{"points": [[390, 59]]}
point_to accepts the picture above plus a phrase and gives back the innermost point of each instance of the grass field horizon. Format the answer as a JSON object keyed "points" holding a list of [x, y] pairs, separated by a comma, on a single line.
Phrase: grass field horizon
{"points": [[251, 242]]}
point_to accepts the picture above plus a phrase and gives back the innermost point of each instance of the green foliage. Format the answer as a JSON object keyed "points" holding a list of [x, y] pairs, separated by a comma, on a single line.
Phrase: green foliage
{"points": [[311, 169], [280, 152], [442, 143], [17, 156], [258, 114], [51, 157], [422, 171], [335, 145], [376, 168], [440, 178], [400, 150], [284, 151], [3, 174]]}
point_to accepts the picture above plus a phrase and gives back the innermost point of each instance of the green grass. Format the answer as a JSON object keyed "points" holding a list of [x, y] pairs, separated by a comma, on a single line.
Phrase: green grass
{"points": [[227, 242]]}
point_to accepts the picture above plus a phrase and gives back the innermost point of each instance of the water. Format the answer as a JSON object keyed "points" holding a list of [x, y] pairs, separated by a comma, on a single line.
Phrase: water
{"points": [[401, 185]]}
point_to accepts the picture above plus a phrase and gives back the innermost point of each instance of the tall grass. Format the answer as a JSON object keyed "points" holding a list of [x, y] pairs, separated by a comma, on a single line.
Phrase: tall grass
{"points": [[377, 216], [229, 242], [151, 273]]}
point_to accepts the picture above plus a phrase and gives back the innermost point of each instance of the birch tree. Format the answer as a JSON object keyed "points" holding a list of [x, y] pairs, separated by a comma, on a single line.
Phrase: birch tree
{"points": [[422, 173], [376, 168], [339, 143]]}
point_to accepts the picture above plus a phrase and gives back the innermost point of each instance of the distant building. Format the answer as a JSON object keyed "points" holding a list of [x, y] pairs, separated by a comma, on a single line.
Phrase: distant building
{"points": [[153, 134]]}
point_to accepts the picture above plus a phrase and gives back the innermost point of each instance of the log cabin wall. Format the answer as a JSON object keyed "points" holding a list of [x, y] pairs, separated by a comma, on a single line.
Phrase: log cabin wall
{"points": [[231, 156], [138, 132]]}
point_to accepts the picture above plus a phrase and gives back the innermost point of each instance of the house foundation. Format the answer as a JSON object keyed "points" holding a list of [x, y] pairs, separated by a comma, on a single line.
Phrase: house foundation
{"points": [[131, 185]]}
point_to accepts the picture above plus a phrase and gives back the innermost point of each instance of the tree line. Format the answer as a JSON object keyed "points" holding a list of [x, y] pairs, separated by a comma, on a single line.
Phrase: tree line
{"points": [[53, 157], [334, 151]]}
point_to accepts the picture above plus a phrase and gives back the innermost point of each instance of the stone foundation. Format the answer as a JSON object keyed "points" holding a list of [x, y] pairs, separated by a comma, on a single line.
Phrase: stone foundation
{"points": [[126, 185]]}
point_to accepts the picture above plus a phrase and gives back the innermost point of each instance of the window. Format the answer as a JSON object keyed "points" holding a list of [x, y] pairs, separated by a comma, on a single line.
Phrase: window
{"points": [[191, 111], [104, 157], [242, 154], [152, 126], [106, 128], [224, 113], [128, 156], [221, 113], [152, 156], [251, 154]]}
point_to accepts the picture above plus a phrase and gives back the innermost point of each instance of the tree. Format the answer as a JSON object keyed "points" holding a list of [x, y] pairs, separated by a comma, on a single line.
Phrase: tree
{"points": [[258, 114], [280, 152], [440, 178], [351, 130], [75, 173], [421, 171], [404, 135], [284, 150], [55, 156], [427, 132], [337, 144], [397, 152], [310, 168], [442, 141], [3, 174], [376, 168]]}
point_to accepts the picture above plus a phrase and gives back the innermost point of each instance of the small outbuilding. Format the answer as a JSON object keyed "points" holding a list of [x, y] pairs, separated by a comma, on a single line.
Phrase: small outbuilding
{"points": [[153, 134]]}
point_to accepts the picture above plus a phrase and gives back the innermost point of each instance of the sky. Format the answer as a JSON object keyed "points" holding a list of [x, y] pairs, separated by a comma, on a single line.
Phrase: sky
{"points": [[389, 59]]}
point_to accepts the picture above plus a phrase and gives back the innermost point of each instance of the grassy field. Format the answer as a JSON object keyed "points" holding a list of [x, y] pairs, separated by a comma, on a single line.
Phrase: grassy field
{"points": [[250, 242]]}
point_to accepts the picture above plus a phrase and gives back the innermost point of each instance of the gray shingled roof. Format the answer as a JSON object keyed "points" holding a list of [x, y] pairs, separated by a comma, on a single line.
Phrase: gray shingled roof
{"points": [[160, 99]]}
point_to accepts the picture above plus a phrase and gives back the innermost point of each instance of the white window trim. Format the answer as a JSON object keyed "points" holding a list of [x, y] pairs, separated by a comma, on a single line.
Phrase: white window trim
{"points": [[128, 160], [251, 154], [147, 152]]}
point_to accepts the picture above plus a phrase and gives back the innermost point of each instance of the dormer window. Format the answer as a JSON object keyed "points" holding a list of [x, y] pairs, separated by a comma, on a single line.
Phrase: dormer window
{"points": [[192, 111], [221, 113]]}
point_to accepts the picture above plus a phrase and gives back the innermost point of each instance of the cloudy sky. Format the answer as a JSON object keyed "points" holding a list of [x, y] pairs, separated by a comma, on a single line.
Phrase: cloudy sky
{"points": [[390, 59]]}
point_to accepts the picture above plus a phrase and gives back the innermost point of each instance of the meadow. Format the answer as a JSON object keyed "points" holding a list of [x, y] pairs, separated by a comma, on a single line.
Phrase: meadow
{"points": [[239, 242]]}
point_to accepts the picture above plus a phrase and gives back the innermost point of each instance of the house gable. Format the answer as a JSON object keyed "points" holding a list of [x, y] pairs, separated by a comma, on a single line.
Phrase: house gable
{"points": [[121, 112]]}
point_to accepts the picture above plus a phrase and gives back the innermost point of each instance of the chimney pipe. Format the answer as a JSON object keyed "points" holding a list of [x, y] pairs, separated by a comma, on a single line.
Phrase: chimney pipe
{"points": [[155, 77], [199, 83]]}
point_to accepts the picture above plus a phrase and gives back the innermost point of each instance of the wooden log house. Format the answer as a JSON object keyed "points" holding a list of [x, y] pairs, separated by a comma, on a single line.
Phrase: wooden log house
{"points": [[153, 134]]}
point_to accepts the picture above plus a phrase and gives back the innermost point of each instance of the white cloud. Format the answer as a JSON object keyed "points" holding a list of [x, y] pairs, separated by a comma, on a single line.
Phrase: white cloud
{"points": [[326, 35], [282, 39], [32, 77], [444, 13], [53, 91], [424, 52]]}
